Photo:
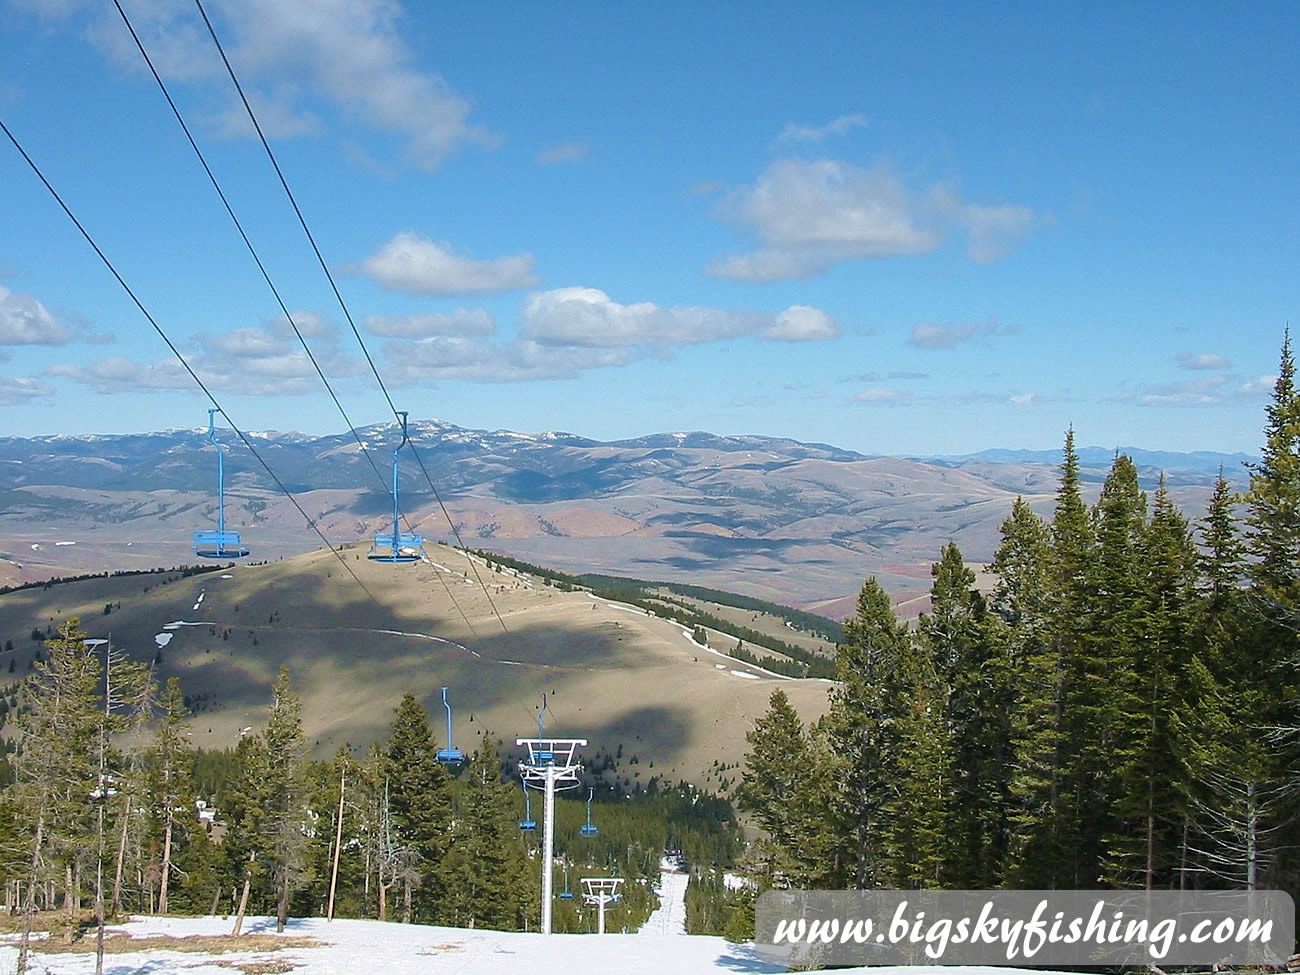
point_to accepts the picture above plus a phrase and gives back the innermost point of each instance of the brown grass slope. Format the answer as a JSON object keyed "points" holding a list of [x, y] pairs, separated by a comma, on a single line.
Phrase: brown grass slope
{"points": [[613, 676]]}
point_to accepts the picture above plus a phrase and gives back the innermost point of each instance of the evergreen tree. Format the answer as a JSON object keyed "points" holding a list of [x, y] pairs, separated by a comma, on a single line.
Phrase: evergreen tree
{"points": [[858, 739], [419, 805], [285, 746], [483, 871], [171, 784]]}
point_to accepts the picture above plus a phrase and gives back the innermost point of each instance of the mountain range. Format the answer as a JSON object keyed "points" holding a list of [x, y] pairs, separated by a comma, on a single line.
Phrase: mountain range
{"points": [[798, 523]]}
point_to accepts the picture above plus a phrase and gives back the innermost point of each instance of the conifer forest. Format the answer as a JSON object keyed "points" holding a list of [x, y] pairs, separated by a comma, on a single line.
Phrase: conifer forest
{"points": [[1119, 711]]}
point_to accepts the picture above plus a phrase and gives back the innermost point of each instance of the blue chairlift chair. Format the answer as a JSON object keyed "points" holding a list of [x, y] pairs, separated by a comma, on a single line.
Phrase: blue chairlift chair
{"points": [[528, 824], [219, 544], [397, 546], [589, 831], [449, 755]]}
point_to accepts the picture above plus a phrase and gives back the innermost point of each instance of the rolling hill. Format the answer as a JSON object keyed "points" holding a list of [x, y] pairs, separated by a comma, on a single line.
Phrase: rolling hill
{"points": [[651, 702]]}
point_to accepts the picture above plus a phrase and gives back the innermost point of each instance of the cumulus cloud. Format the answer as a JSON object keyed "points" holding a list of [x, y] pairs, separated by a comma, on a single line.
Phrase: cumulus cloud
{"points": [[926, 336], [806, 133], [800, 323], [810, 215], [462, 321], [25, 321], [884, 396], [416, 265], [1025, 399], [588, 317], [263, 361], [22, 389], [1206, 360], [565, 152], [294, 57], [465, 358]]}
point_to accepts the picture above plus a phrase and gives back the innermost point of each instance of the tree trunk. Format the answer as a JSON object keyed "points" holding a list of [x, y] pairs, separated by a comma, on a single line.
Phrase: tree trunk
{"points": [[282, 912], [30, 903], [383, 901], [166, 865], [338, 840], [406, 899], [243, 898], [216, 899]]}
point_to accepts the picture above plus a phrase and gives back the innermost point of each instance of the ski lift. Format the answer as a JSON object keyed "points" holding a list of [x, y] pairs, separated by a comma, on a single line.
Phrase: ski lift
{"points": [[399, 546], [449, 755], [566, 894], [589, 831], [219, 544], [528, 824]]}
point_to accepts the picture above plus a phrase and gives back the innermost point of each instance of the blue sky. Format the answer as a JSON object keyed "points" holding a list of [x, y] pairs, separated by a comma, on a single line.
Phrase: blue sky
{"points": [[920, 228]]}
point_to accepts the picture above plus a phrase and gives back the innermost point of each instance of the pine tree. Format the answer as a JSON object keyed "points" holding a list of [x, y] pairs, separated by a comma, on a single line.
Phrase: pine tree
{"points": [[419, 804], [1104, 705], [858, 741], [1144, 844], [171, 785], [969, 646], [481, 870], [285, 810], [57, 772]]}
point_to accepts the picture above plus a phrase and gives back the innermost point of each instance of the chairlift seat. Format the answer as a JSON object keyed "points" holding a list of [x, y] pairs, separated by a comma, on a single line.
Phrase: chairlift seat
{"points": [[218, 545], [449, 756], [565, 895], [589, 831], [408, 548], [528, 825]]}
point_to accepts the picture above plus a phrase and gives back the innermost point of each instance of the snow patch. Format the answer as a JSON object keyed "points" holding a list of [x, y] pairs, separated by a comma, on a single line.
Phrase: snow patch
{"points": [[94, 643], [199, 600], [741, 673], [227, 577], [65, 543], [178, 623], [162, 639]]}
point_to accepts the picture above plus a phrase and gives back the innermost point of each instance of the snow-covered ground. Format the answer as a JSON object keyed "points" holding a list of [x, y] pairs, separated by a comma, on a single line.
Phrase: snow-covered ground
{"points": [[670, 916], [409, 949]]}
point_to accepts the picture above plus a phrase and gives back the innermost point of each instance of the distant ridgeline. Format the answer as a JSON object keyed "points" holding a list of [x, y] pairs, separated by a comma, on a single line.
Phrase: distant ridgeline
{"points": [[795, 661], [182, 572]]}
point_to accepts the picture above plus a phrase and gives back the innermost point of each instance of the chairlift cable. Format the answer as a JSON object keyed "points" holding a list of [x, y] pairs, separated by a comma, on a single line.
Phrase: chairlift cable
{"points": [[271, 284], [337, 294], [311, 522]]}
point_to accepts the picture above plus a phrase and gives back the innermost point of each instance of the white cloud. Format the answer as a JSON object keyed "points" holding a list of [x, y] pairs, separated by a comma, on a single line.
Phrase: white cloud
{"points": [[416, 265], [462, 321], [25, 321], [925, 336], [588, 317], [800, 323], [1207, 360], [1025, 399], [294, 56], [22, 389], [117, 374], [810, 215], [566, 152], [1264, 384], [265, 361], [805, 133], [884, 396], [462, 358]]}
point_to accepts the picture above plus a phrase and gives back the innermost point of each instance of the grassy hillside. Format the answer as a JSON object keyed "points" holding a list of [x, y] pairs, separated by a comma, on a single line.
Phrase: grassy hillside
{"points": [[651, 702]]}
